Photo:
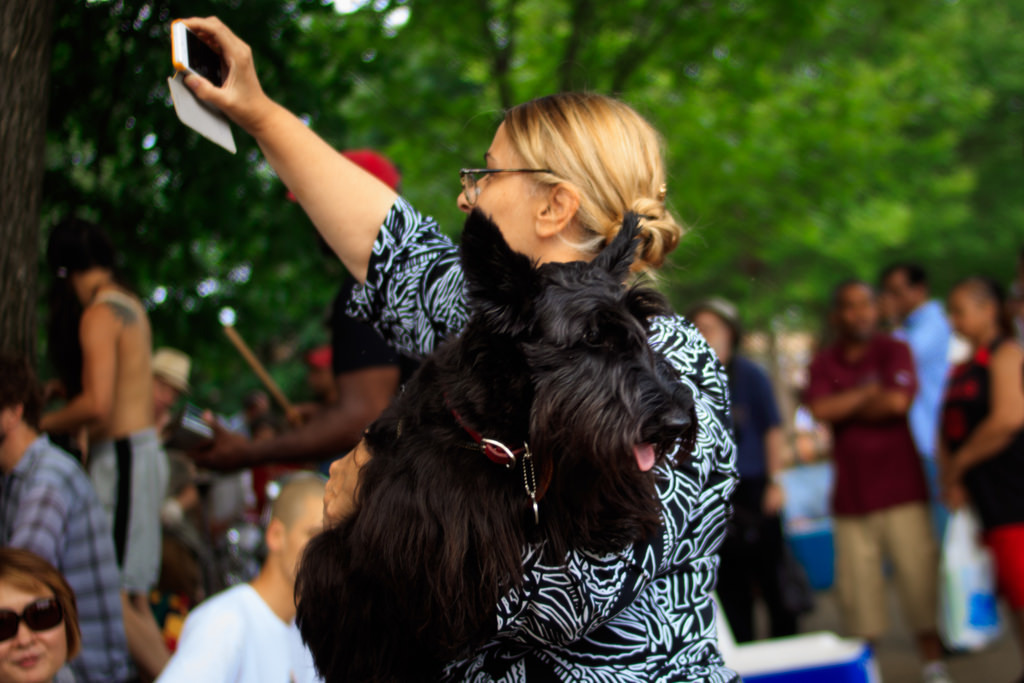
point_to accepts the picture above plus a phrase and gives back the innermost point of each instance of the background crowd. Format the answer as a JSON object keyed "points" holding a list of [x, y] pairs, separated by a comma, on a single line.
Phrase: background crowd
{"points": [[172, 504], [922, 403]]}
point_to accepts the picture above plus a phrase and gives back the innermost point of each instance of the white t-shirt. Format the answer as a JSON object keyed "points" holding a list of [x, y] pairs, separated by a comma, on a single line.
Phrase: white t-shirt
{"points": [[234, 636]]}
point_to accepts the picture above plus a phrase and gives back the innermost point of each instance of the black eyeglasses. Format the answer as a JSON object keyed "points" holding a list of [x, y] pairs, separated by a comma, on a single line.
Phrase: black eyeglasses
{"points": [[41, 615], [470, 178]]}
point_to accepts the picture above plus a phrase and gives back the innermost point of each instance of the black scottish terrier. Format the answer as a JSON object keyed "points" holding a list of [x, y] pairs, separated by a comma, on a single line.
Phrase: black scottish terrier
{"points": [[538, 424]]}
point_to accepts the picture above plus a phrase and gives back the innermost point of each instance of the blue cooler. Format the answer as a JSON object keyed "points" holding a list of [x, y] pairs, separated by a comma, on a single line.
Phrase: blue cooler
{"points": [[810, 658], [808, 525], [811, 541]]}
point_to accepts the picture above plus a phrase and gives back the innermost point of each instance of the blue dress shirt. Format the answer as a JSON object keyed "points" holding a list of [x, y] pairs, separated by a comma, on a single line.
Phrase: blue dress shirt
{"points": [[928, 333]]}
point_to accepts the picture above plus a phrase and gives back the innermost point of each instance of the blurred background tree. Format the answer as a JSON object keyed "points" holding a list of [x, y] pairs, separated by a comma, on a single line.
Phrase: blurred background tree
{"points": [[806, 142], [24, 86]]}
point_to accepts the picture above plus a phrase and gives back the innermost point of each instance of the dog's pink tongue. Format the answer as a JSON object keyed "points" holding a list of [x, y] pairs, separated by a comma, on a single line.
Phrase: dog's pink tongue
{"points": [[644, 453]]}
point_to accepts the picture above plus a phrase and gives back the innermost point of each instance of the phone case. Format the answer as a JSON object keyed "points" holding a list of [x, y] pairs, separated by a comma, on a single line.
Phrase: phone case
{"points": [[176, 60], [199, 116]]}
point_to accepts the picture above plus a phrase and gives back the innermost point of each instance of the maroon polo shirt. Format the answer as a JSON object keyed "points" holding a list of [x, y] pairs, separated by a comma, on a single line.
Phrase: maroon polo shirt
{"points": [[877, 465]]}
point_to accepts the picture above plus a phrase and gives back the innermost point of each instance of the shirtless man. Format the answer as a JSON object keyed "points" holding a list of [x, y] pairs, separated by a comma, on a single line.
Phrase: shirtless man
{"points": [[126, 462]]}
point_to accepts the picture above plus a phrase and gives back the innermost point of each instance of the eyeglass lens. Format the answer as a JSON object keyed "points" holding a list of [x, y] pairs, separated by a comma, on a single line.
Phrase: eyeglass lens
{"points": [[469, 187], [39, 616]]}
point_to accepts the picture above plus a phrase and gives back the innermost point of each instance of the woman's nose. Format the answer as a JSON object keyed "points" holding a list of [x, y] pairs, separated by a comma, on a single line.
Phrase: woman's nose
{"points": [[25, 635]]}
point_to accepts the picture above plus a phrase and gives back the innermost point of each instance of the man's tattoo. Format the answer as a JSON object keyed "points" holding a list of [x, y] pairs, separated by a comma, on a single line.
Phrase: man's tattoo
{"points": [[125, 313]]}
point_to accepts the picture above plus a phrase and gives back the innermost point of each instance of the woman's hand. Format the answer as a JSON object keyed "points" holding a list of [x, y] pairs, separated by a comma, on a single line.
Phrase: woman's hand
{"points": [[240, 97], [340, 494], [345, 202], [950, 471], [955, 496], [226, 452], [774, 498]]}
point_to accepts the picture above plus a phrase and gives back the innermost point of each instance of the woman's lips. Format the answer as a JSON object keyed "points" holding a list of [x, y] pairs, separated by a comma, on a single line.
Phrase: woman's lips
{"points": [[27, 662]]}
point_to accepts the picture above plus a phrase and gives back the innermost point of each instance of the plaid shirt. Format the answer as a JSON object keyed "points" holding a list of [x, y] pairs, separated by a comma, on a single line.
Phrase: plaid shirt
{"points": [[48, 506]]}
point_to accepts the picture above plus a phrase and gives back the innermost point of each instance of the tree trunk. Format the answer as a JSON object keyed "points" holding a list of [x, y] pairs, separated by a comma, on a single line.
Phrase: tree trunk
{"points": [[25, 30]]}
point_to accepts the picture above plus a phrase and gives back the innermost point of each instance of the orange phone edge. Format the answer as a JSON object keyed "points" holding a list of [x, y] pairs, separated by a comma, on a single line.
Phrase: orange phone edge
{"points": [[179, 64]]}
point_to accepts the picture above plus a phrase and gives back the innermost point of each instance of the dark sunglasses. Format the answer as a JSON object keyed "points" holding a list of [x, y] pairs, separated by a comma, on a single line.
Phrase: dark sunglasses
{"points": [[41, 615]]}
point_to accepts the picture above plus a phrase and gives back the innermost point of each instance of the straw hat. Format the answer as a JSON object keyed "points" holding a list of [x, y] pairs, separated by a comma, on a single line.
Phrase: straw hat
{"points": [[172, 366]]}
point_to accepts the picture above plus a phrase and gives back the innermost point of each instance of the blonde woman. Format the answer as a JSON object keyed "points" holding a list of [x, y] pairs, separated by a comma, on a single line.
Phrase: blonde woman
{"points": [[560, 174], [38, 620]]}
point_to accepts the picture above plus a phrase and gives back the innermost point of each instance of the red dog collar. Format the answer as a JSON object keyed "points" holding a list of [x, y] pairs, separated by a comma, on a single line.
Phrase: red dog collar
{"points": [[496, 451]]}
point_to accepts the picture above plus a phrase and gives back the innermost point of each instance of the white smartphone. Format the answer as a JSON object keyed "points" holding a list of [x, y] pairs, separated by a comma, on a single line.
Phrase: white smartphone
{"points": [[189, 53]]}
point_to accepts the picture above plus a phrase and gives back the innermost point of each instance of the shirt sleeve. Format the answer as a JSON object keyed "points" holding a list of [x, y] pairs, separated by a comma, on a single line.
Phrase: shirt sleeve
{"points": [[209, 649], [355, 345], [414, 290], [40, 522], [899, 370]]}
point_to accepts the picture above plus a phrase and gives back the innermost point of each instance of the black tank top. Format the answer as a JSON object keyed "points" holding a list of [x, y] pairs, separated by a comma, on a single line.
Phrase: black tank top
{"points": [[996, 485]]}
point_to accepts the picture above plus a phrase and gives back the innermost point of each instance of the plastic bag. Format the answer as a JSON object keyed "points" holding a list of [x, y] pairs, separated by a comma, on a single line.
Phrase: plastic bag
{"points": [[967, 587]]}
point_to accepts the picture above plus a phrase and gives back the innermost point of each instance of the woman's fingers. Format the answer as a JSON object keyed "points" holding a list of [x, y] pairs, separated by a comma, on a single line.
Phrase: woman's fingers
{"points": [[240, 97], [203, 89], [213, 32]]}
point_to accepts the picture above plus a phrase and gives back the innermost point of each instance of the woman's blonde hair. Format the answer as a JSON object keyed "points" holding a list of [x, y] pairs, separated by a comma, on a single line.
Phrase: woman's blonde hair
{"points": [[611, 155], [29, 572]]}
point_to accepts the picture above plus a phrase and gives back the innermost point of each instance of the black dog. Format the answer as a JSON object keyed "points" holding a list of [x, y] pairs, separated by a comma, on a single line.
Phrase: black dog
{"points": [[554, 381]]}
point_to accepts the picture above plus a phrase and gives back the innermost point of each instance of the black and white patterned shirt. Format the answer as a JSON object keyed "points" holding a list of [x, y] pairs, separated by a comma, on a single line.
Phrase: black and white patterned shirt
{"points": [[644, 614]]}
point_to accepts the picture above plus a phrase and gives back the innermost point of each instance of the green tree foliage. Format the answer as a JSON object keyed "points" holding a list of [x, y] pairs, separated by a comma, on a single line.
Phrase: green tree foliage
{"points": [[197, 229], [806, 141]]}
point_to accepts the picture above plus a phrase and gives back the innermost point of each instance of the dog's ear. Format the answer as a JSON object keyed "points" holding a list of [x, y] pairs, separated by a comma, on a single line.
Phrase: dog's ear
{"points": [[617, 257], [501, 283]]}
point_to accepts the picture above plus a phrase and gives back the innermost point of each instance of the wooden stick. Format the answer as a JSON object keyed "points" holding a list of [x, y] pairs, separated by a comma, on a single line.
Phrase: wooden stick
{"points": [[261, 372]]}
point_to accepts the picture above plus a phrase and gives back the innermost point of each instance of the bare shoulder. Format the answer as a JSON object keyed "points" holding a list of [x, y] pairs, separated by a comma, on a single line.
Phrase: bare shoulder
{"points": [[1008, 354], [124, 307]]}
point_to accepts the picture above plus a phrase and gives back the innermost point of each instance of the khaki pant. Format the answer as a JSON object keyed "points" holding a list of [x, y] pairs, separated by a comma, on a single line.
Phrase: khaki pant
{"points": [[903, 535]]}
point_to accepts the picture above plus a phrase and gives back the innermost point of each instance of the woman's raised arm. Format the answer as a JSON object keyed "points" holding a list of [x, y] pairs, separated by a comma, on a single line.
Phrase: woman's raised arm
{"points": [[346, 204]]}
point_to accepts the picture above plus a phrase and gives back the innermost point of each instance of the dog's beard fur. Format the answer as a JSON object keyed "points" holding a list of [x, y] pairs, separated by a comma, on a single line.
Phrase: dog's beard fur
{"points": [[556, 356]]}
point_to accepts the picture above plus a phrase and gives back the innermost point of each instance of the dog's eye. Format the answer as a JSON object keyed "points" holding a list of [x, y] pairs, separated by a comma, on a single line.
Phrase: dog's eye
{"points": [[604, 338]]}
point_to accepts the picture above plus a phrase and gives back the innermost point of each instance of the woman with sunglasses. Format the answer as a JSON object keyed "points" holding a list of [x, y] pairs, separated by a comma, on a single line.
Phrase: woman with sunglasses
{"points": [[38, 620], [560, 174]]}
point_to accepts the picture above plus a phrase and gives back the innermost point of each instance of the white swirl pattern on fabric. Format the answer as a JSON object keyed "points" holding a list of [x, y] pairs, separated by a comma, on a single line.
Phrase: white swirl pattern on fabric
{"points": [[641, 615]]}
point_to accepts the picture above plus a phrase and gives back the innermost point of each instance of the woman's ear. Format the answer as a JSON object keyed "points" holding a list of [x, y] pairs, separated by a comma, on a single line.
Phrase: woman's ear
{"points": [[554, 215]]}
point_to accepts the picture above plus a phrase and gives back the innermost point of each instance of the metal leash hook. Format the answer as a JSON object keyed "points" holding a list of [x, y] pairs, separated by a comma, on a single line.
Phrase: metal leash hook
{"points": [[530, 482], [498, 450]]}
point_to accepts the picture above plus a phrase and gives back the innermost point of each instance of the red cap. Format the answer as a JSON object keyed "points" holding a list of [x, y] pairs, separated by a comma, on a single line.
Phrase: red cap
{"points": [[319, 358], [376, 164], [373, 163]]}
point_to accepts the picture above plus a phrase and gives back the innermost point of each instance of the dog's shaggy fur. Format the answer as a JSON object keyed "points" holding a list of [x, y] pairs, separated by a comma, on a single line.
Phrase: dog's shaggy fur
{"points": [[555, 356]]}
